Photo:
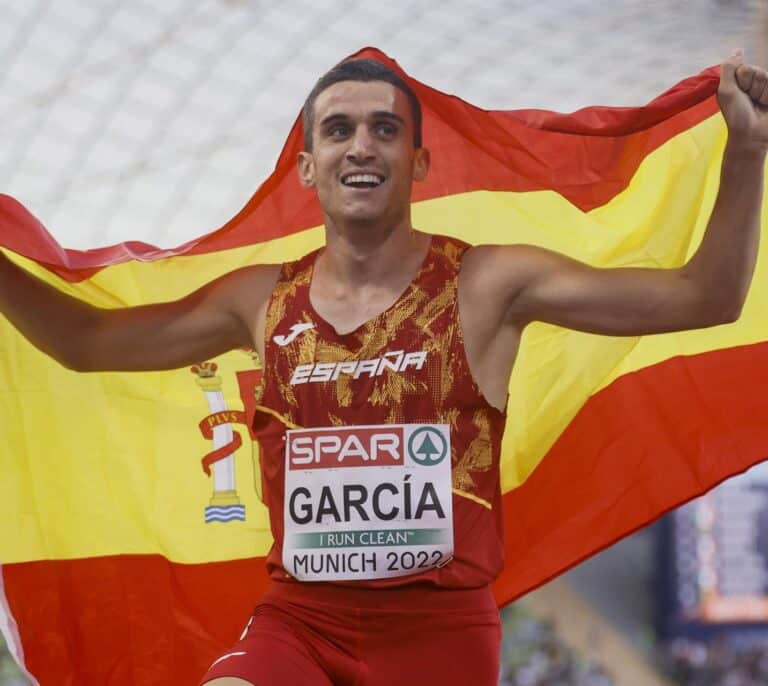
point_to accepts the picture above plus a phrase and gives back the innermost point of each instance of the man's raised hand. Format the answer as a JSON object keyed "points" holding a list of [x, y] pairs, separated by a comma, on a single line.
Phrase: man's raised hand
{"points": [[743, 98]]}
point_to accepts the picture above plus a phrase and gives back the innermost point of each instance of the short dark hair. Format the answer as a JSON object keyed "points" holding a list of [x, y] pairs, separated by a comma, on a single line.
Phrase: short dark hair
{"points": [[359, 70]]}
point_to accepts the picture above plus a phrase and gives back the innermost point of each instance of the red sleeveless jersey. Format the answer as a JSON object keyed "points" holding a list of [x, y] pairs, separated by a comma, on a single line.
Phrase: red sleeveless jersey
{"points": [[407, 365]]}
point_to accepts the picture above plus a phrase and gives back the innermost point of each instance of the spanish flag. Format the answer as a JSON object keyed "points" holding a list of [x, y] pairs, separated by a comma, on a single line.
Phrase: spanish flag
{"points": [[133, 533]]}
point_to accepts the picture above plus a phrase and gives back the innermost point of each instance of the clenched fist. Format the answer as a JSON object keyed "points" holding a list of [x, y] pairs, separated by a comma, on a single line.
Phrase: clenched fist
{"points": [[743, 98]]}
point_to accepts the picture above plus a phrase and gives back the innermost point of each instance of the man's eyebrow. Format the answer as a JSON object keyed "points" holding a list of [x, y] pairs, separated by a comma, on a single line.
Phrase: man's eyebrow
{"points": [[334, 117], [384, 114], [379, 114]]}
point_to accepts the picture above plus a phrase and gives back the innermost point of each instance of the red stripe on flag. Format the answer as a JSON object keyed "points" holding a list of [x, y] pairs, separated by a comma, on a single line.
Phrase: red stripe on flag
{"points": [[588, 157], [650, 441], [129, 620]]}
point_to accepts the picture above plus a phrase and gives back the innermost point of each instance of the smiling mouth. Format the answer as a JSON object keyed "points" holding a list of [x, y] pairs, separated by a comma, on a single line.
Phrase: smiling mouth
{"points": [[362, 180]]}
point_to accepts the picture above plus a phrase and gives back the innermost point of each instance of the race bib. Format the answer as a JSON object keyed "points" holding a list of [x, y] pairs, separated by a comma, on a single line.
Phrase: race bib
{"points": [[367, 502]]}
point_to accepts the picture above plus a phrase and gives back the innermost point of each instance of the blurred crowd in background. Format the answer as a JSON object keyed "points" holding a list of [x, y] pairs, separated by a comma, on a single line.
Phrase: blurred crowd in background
{"points": [[535, 655], [718, 663]]}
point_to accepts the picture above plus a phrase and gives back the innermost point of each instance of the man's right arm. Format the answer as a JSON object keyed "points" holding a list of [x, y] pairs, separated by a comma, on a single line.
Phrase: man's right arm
{"points": [[225, 314]]}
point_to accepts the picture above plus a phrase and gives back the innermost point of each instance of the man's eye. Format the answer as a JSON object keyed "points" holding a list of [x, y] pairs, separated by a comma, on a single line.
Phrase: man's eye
{"points": [[386, 129], [338, 131]]}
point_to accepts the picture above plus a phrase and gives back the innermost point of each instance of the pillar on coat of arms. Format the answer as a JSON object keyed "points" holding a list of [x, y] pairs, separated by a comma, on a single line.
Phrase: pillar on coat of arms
{"points": [[225, 503]]}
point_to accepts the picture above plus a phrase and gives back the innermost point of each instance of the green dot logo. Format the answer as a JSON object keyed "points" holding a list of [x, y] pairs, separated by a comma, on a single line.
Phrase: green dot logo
{"points": [[427, 446]]}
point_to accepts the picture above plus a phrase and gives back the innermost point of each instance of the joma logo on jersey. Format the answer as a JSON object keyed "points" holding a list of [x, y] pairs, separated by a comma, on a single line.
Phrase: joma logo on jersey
{"points": [[398, 361], [348, 447]]}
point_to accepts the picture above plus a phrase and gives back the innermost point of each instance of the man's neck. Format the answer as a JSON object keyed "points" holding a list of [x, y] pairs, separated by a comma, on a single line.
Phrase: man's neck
{"points": [[360, 255], [359, 276]]}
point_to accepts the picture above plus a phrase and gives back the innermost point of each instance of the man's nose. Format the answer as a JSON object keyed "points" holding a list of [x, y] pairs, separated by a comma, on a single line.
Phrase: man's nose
{"points": [[361, 145]]}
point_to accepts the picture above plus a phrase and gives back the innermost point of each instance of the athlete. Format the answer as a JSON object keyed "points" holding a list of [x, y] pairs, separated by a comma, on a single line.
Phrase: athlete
{"points": [[390, 338]]}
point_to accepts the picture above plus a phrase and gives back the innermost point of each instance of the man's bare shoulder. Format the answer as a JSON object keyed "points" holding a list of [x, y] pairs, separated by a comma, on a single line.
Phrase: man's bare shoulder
{"points": [[492, 266], [245, 293], [244, 290], [261, 277], [499, 279], [253, 282]]}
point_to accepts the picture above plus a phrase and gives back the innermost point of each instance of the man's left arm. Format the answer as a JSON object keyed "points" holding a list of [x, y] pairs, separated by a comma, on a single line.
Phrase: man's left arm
{"points": [[710, 289]]}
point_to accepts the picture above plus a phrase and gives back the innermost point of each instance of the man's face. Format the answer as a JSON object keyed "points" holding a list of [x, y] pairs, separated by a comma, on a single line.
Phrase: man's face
{"points": [[363, 160]]}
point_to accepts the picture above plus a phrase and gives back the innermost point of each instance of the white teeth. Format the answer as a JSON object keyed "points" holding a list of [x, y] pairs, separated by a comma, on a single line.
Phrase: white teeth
{"points": [[363, 178]]}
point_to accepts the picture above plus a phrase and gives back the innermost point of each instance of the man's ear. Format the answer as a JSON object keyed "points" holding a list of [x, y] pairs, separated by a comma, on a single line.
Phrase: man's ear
{"points": [[421, 162], [305, 165]]}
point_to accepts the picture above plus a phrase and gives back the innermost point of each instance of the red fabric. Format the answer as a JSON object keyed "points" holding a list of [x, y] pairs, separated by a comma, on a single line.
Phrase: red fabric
{"points": [[128, 620], [408, 637], [647, 443], [588, 157]]}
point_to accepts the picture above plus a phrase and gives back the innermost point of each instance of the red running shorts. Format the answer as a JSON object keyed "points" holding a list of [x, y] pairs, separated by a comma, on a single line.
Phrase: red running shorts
{"points": [[310, 635]]}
